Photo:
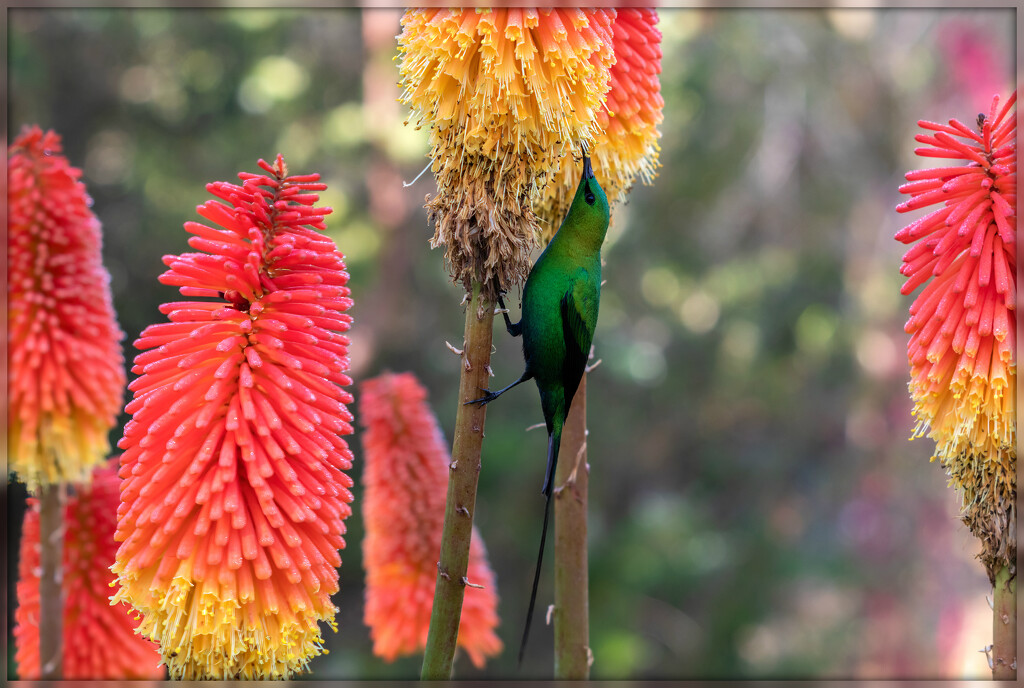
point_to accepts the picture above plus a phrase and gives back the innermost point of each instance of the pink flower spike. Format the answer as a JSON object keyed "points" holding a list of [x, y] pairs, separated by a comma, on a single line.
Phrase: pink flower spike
{"points": [[962, 370], [406, 481]]}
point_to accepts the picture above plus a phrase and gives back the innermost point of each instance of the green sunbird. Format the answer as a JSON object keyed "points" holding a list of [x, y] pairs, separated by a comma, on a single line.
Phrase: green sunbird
{"points": [[560, 302]]}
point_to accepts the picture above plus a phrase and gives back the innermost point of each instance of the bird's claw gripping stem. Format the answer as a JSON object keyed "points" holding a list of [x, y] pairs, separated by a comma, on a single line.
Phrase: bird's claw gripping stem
{"points": [[488, 397]]}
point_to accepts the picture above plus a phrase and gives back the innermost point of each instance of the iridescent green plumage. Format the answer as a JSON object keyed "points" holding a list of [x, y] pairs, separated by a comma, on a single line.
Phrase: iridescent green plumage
{"points": [[560, 304]]}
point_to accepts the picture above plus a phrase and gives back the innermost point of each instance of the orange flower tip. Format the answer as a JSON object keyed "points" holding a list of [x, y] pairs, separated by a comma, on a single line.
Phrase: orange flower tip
{"points": [[59, 312], [234, 496], [626, 149]]}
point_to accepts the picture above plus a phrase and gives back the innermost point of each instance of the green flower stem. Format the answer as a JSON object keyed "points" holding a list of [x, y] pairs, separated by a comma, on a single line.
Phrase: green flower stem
{"points": [[462, 481], [1004, 626], [571, 614], [51, 599]]}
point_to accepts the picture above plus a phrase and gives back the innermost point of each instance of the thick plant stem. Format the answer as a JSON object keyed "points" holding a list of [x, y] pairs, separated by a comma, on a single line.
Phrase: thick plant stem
{"points": [[51, 598], [571, 614], [1004, 626], [462, 480]]}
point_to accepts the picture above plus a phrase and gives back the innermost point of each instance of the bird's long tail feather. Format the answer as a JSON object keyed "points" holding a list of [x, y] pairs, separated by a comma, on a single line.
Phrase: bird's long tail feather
{"points": [[554, 440]]}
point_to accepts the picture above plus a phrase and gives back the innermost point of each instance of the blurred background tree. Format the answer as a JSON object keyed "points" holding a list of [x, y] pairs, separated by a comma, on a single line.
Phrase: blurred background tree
{"points": [[756, 509]]}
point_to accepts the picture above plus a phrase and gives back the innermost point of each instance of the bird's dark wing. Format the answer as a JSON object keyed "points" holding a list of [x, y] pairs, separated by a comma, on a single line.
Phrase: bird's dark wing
{"points": [[577, 337]]}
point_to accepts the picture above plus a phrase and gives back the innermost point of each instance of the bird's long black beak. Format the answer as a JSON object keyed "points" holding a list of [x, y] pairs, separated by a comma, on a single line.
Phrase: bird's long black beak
{"points": [[588, 170]]}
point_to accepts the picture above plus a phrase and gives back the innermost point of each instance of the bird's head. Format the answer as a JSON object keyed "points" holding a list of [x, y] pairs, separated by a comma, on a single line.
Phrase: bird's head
{"points": [[589, 210]]}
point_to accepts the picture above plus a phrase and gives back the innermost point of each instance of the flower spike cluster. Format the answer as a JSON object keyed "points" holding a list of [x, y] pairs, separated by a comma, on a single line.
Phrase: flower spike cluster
{"points": [[66, 367], [962, 349], [99, 640], [406, 479], [627, 148], [234, 496], [507, 93]]}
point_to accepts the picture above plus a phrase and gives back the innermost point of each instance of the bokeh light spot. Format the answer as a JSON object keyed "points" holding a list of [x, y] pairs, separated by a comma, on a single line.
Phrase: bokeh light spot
{"points": [[853, 23], [274, 79], [659, 286], [646, 362], [815, 329], [742, 340], [361, 241], [876, 353], [699, 312], [344, 126], [109, 158]]}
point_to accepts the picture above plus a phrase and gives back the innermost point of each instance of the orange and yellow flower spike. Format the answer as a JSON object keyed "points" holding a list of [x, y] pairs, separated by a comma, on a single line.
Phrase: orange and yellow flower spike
{"points": [[962, 353], [100, 642], [627, 148], [67, 374], [507, 93], [234, 496]]}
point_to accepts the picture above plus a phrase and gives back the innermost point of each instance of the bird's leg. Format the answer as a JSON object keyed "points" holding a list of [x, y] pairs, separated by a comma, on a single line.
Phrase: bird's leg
{"points": [[514, 329], [491, 396]]}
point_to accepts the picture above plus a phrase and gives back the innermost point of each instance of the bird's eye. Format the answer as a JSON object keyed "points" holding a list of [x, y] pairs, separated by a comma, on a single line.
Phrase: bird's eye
{"points": [[588, 196]]}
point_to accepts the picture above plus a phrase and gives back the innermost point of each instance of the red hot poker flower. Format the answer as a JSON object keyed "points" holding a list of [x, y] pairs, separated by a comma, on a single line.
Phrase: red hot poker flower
{"points": [[66, 368], [406, 480], [634, 105], [99, 640], [962, 347], [506, 93], [626, 149], [234, 497]]}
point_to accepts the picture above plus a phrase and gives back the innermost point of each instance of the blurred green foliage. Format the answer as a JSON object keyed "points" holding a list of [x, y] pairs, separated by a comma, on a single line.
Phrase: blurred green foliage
{"points": [[756, 510]]}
